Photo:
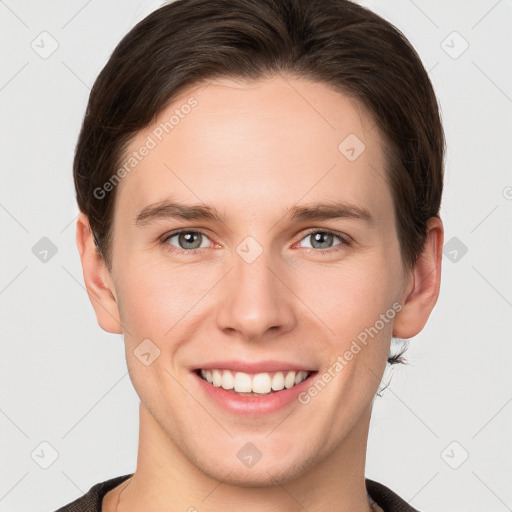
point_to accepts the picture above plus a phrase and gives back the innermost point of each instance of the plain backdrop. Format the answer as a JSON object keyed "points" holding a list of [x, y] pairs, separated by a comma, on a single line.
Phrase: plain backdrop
{"points": [[441, 433]]}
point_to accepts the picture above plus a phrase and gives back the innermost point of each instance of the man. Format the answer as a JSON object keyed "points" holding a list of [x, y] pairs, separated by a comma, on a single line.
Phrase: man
{"points": [[259, 186]]}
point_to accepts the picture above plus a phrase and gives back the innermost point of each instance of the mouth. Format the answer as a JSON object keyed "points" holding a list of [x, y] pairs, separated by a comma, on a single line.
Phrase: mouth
{"points": [[253, 384]]}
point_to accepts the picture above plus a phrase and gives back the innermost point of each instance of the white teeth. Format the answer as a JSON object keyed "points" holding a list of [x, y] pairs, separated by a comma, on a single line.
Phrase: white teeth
{"points": [[261, 383], [289, 380], [216, 378], [300, 377], [278, 381], [242, 382], [227, 380]]}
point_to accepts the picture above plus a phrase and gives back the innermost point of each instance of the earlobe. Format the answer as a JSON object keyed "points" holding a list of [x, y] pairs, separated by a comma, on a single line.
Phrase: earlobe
{"points": [[423, 285], [97, 279]]}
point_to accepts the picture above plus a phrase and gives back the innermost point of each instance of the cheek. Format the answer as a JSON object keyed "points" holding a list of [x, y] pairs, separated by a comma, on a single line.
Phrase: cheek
{"points": [[352, 296], [155, 296]]}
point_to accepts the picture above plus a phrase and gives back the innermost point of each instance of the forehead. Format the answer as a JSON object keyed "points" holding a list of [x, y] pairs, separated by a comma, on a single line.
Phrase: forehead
{"points": [[256, 146]]}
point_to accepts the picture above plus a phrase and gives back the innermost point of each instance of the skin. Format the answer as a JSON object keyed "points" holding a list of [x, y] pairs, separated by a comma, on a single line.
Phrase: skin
{"points": [[255, 150]]}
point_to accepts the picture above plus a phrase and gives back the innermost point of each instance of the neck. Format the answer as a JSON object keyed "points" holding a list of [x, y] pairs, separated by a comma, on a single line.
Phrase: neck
{"points": [[166, 479]]}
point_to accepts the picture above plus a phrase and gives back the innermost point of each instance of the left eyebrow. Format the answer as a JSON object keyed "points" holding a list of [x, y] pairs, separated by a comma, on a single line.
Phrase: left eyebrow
{"points": [[329, 210], [317, 211], [170, 209]]}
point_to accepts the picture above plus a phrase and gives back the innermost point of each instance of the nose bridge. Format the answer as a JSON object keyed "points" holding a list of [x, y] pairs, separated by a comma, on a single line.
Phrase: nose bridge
{"points": [[256, 300]]}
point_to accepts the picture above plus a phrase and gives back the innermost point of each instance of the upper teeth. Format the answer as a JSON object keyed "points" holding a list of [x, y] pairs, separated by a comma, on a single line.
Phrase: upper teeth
{"points": [[258, 383]]}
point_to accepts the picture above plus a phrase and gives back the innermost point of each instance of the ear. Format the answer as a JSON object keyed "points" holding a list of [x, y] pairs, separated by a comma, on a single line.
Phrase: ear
{"points": [[98, 281], [422, 291]]}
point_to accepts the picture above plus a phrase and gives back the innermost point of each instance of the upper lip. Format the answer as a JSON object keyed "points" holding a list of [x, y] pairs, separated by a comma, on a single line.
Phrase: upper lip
{"points": [[254, 367]]}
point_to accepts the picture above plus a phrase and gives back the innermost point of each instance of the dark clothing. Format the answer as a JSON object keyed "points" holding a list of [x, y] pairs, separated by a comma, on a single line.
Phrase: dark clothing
{"points": [[91, 501]]}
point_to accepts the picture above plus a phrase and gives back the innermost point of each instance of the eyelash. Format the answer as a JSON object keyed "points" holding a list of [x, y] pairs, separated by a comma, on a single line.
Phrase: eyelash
{"points": [[344, 241]]}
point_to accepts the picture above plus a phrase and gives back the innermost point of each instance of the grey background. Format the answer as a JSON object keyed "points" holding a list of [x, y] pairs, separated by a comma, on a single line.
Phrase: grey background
{"points": [[440, 435]]}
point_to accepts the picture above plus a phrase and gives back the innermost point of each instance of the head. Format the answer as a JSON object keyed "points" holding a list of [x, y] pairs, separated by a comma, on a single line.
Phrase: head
{"points": [[263, 118]]}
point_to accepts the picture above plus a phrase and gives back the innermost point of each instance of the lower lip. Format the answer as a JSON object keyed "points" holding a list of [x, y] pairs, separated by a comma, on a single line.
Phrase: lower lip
{"points": [[254, 405]]}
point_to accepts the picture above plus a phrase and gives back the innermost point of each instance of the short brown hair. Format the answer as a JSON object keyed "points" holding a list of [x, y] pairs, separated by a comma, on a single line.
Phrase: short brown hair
{"points": [[335, 42]]}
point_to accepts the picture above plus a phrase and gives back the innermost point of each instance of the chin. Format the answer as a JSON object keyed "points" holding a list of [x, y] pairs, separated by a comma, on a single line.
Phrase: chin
{"points": [[264, 473]]}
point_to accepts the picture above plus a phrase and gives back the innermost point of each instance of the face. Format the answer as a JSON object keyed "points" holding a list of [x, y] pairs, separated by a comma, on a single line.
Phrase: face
{"points": [[299, 267]]}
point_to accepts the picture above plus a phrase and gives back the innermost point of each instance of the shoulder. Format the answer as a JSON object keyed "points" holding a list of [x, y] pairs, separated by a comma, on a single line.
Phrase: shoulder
{"points": [[91, 501], [386, 498]]}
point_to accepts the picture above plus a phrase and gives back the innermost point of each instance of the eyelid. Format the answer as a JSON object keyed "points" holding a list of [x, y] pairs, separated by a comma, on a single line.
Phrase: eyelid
{"points": [[163, 240], [345, 240]]}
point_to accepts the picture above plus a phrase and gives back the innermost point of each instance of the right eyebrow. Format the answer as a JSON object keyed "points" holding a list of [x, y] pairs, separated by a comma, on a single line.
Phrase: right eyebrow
{"points": [[170, 209]]}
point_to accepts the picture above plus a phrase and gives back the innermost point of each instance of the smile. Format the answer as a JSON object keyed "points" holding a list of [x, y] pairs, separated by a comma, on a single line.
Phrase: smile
{"points": [[253, 384]]}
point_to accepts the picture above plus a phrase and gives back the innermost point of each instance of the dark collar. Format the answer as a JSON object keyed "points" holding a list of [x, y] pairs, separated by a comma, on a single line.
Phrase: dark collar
{"points": [[92, 500]]}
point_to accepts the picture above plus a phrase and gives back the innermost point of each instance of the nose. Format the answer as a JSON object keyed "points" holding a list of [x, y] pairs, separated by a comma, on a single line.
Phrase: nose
{"points": [[256, 300]]}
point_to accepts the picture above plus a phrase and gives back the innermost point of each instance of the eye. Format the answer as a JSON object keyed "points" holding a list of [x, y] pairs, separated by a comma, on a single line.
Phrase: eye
{"points": [[323, 239], [187, 240]]}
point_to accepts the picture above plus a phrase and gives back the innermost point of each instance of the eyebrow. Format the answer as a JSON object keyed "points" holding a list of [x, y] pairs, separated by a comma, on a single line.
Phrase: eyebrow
{"points": [[317, 211]]}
